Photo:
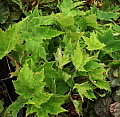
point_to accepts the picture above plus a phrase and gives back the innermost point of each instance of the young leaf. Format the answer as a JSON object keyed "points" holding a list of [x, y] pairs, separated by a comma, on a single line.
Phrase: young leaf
{"points": [[78, 106], [85, 90], [80, 58], [92, 42], [17, 69], [66, 76], [61, 58]]}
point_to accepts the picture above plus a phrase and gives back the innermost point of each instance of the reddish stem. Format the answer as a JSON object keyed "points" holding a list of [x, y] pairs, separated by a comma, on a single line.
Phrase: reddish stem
{"points": [[14, 60]]}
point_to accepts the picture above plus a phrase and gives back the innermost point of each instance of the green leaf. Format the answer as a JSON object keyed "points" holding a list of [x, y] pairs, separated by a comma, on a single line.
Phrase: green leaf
{"points": [[31, 109], [53, 106], [31, 29], [47, 33], [4, 11], [50, 76], [109, 41], [54, 79], [40, 98], [92, 42], [85, 90], [106, 38], [91, 65], [31, 86], [69, 49], [39, 33], [35, 47], [46, 20], [65, 21], [98, 79], [66, 4], [82, 23], [8, 39], [25, 78], [117, 28], [35, 19], [114, 46], [79, 3], [33, 34], [91, 20], [16, 106], [61, 87], [80, 58], [107, 15]]}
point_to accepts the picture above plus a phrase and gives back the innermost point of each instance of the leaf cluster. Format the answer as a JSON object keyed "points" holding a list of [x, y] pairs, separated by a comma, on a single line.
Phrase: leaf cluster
{"points": [[62, 54]]}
